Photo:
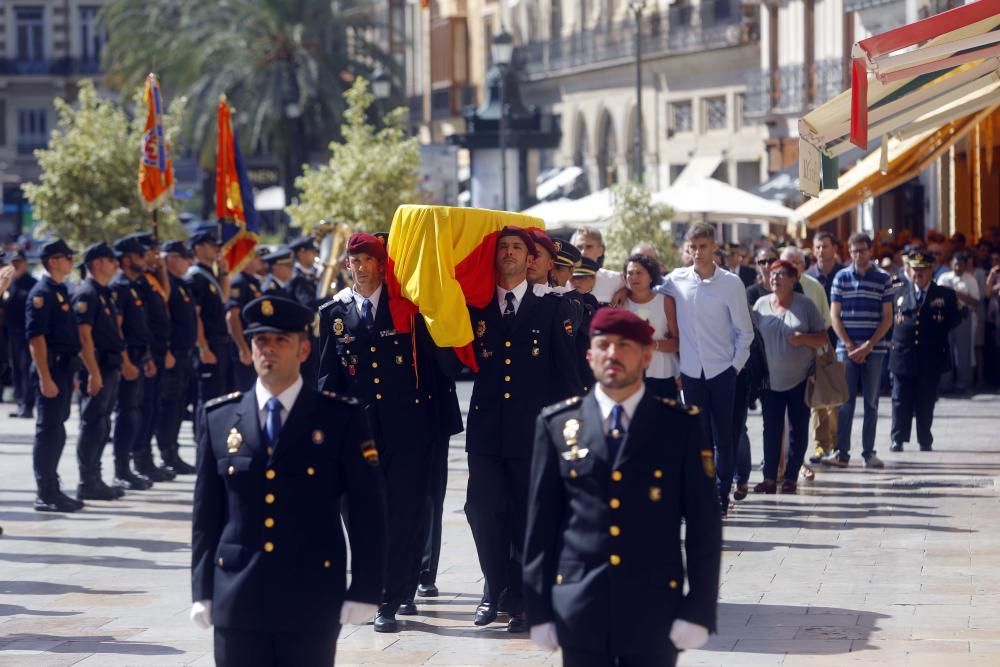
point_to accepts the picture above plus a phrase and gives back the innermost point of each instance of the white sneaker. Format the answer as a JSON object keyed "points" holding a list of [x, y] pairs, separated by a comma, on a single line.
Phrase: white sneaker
{"points": [[874, 462]]}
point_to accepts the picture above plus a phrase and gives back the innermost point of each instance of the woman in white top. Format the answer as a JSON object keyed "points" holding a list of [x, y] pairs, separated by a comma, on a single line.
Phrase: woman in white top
{"points": [[641, 273]]}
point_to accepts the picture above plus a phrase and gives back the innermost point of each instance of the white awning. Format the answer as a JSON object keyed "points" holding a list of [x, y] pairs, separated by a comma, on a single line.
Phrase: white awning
{"points": [[594, 209], [699, 167], [270, 199], [711, 200], [563, 179]]}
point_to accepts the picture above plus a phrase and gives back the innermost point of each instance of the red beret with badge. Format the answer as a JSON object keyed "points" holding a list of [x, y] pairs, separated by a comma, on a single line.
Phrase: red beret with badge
{"points": [[362, 242], [622, 322]]}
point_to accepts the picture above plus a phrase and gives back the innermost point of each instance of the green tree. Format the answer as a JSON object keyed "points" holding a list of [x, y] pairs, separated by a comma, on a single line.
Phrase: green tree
{"points": [[283, 64], [369, 174], [637, 219], [88, 191]]}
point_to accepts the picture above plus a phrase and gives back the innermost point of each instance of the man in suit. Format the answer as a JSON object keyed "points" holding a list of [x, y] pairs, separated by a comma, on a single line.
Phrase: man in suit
{"points": [[364, 357], [925, 314], [304, 288], [613, 476], [268, 555], [524, 345]]}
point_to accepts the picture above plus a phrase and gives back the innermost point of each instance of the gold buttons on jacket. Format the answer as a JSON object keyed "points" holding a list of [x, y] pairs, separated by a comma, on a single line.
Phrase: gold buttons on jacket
{"points": [[506, 394], [268, 547], [572, 473], [377, 381], [310, 471], [378, 397], [269, 499], [672, 584], [270, 474], [616, 476], [506, 343], [559, 579], [374, 364], [615, 503], [507, 361], [327, 564], [506, 378], [657, 474], [373, 348], [615, 531], [220, 561], [269, 522], [615, 560], [232, 470], [416, 401]]}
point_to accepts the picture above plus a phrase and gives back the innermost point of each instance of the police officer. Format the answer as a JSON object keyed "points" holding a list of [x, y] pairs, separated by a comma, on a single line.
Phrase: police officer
{"points": [[607, 499], [268, 554], [137, 363], [183, 336], [279, 265], [210, 293], [365, 357], [568, 259], [243, 288], [20, 358], [54, 345], [925, 313], [303, 287], [102, 347], [524, 349]]}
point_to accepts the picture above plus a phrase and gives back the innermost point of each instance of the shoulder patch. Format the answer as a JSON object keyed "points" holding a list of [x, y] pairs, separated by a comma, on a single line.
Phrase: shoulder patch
{"points": [[562, 405], [38, 301], [343, 398], [223, 400]]}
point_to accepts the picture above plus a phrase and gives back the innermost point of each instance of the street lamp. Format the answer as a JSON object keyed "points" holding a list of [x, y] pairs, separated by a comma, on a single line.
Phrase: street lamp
{"points": [[637, 6], [382, 87], [502, 51]]}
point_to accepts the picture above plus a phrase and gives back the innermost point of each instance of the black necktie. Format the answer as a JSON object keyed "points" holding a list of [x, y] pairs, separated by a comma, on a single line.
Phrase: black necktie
{"points": [[616, 433], [508, 310]]}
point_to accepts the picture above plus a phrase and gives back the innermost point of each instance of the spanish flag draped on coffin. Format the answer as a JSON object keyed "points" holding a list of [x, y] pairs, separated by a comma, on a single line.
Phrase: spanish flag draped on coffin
{"points": [[441, 260]]}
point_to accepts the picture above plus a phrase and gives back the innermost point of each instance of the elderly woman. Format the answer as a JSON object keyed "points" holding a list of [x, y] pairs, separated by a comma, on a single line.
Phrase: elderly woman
{"points": [[641, 274], [791, 328]]}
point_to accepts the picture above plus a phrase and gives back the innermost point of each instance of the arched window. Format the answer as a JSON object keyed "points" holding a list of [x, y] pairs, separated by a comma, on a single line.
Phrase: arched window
{"points": [[607, 154]]}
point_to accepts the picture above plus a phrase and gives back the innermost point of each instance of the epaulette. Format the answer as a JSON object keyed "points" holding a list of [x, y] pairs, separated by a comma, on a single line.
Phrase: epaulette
{"points": [[343, 398], [562, 405], [222, 400], [680, 407]]}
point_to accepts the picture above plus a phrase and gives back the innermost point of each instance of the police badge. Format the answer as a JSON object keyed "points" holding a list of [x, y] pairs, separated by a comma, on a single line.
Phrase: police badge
{"points": [[38, 301], [81, 307], [266, 308], [480, 328], [570, 429], [234, 441], [338, 327]]}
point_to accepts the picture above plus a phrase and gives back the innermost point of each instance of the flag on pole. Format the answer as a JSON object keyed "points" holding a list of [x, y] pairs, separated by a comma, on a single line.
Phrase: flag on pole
{"points": [[233, 195], [156, 171]]}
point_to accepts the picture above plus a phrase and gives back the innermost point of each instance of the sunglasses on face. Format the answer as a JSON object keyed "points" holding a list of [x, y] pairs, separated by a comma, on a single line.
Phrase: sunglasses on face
{"points": [[766, 261]]}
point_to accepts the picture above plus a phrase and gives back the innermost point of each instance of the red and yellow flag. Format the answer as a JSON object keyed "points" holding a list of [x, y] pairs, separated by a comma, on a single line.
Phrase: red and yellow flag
{"points": [[156, 171], [441, 260], [233, 195]]}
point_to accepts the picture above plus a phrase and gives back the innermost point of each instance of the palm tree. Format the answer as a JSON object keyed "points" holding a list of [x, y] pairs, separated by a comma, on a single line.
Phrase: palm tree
{"points": [[283, 64]]}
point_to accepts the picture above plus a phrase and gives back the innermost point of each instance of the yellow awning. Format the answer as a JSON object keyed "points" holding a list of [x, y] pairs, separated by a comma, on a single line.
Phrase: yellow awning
{"points": [[907, 158]]}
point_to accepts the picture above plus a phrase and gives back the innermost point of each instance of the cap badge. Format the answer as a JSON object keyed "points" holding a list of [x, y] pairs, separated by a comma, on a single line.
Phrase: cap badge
{"points": [[234, 441], [266, 308]]}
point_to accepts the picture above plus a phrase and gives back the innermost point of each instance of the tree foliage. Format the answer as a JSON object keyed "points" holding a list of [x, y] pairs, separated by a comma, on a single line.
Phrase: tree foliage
{"points": [[637, 219], [369, 174], [88, 190]]}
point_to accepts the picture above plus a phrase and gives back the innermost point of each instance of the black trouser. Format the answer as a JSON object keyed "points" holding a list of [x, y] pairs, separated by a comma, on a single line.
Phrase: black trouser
{"points": [[715, 398], [213, 379], [173, 400], [128, 413], [580, 658], [496, 506], [50, 425], [914, 396], [430, 534], [143, 448], [256, 648], [243, 377], [20, 371], [95, 418]]}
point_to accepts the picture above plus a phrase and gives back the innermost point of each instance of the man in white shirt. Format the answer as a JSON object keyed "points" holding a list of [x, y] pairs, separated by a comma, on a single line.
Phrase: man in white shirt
{"points": [[963, 281], [590, 243], [715, 336]]}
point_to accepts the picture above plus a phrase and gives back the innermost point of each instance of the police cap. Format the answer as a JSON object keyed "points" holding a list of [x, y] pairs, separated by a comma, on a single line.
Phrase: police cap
{"points": [[57, 247], [205, 234], [567, 254], [279, 256], [178, 247], [919, 259], [97, 251], [277, 315], [587, 267], [369, 244], [128, 245], [303, 243], [622, 322]]}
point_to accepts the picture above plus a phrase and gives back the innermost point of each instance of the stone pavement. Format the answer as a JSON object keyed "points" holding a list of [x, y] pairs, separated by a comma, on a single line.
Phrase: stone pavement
{"points": [[897, 567]]}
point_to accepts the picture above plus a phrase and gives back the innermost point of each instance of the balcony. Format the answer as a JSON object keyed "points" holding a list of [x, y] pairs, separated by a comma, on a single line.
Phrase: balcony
{"points": [[449, 101], [790, 91], [49, 67], [683, 29]]}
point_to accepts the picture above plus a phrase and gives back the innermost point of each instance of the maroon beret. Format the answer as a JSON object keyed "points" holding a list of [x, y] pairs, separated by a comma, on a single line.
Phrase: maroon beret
{"points": [[623, 322], [370, 244], [542, 239], [520, 232]]}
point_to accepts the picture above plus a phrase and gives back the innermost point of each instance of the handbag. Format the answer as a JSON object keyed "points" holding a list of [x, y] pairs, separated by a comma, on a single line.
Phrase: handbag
{"points": [[826, 386]]}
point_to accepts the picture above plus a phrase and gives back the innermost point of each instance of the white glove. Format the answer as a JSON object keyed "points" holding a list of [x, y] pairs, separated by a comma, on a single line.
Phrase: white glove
{"points": [[356, 613], [201, 614], [545, 636], [686, 635]]}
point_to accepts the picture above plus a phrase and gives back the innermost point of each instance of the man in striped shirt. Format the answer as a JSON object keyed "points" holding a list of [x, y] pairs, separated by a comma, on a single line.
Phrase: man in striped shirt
{"points": [[861, 310]]}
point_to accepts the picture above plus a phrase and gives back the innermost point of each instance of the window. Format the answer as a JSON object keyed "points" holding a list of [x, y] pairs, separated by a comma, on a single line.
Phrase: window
{"points": [[32, 130], [681, 119], [30, 23], [715, 113], [92, 35], [739, 105]]}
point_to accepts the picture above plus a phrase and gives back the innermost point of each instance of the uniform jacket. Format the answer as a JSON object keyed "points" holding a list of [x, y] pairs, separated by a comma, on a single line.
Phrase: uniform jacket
{"points": [[157, 312], [920, 334], [243, 289], [302, 287], [93, 304], [47, 313], [207, 294], [129, 298], [603, 548], [267, 546], [183, 316], [17, 297], [523, 366], [270, 286]]}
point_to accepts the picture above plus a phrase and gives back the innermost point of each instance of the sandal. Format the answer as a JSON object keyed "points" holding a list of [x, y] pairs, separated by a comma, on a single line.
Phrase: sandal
{"points": [[767, 486]]}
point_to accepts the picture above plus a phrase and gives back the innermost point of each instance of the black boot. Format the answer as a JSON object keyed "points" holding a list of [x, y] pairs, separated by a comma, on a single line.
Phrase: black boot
{"points": [[96, 489], [127, 480], [179, 465], [144, 465], [50, 499]]}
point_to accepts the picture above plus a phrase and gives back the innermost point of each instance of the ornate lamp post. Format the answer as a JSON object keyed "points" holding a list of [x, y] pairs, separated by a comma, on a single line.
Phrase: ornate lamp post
{"points": [[637, 6], [502, 51]]}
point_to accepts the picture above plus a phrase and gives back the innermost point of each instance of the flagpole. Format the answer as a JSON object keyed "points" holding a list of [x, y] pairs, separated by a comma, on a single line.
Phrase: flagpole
{"points": [[156, 223]]}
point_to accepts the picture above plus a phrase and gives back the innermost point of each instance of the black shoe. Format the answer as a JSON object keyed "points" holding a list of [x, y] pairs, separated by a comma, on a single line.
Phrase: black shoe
{"points": [[96, 490], [78, 504], [896, 447], [486, 613], [724, 507], [517, 623], [54, 502], [154, 473], [407, 608], [386, 622], [428, 591], [179, 465], [27, 414], [925, 448], [130, 481]]}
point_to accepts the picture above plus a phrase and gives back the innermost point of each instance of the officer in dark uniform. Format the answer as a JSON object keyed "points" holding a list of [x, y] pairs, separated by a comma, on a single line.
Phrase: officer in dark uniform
{"points": [[366, 358], [303, 287], [583, 281], [608, 495], [137, 363], [268, 552], [20, 358], [524, 346], [279, 264], [52, 338], [925, 313], [183, 337], [243, 288], [210, 293], [102, 347], [567, 261]]}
